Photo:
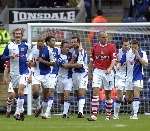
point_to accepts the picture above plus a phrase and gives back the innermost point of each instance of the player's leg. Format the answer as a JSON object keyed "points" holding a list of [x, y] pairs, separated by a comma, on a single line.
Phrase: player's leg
{"points": [[36, 94], [49, 84], [136, 100], [83, 81], [119, 85], [10, 100], [108, 82], [47, 100], [67, 84], [117, 104], [66, 104], [19, 114], [81, 98], [96, 83], [36, 99], [20, 102], [13, 92], [60, 92]]}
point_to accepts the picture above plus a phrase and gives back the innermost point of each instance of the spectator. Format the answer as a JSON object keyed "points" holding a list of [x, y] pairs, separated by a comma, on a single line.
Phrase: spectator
{"points": [[88, 8], [45, 3], [2, 4], [140, 8], [73, 3], [99, 18], [61, 3]]}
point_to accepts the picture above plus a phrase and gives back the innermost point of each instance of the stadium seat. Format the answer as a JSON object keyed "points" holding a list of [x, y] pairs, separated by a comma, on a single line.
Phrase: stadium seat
{"points": [[128, 19], [141, 19]]}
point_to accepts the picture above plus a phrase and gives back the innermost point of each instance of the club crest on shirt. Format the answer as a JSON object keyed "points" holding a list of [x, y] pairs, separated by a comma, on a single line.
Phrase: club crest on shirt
{"points": [[22, 49]]}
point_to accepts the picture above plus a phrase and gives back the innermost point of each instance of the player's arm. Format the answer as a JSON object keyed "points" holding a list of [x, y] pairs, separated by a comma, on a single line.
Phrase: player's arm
{"points": [[67, 66], [6, 78], [61, 62], [5, 55], [82, 60], [113, 59], [113, 62], [48, 63]]}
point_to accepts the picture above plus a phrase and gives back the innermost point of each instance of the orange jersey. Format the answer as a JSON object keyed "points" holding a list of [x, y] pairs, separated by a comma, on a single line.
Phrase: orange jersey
{"points": [[99, 19]]}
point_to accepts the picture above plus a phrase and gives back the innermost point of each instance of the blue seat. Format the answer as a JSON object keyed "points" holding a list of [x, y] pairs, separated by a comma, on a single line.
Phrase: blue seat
{"points": [[128, 19], [141, 19]]}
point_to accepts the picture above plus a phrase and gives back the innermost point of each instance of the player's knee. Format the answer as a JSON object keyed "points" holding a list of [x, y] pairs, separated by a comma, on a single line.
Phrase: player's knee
{"points": [[35, 95]]}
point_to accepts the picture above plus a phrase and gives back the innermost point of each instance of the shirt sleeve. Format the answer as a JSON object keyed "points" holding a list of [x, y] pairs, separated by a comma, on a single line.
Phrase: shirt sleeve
{"points": [[113, 52], [145, 56], [5, 55]]}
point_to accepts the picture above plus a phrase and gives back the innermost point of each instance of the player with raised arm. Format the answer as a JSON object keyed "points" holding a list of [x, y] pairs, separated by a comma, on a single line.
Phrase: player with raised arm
{"points": [[103, 57], [80, 73], [140, 61], [16, 52], [124, 75]]}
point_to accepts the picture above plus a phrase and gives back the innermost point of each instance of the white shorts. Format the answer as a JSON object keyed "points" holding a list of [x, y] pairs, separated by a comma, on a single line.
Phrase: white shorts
{"points": [[138, 83], [64, 84], [24, 79], [101, 79], [19, 79], [80, 80], [47, 81], [53, 80], [123, 84]]}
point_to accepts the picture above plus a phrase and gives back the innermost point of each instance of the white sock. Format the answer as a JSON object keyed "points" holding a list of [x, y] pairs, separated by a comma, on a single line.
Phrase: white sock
{"points": [[135, 107], [116, 108], [66, 107], [20, 103], [81, 105], [44, 106], [49, 106]]}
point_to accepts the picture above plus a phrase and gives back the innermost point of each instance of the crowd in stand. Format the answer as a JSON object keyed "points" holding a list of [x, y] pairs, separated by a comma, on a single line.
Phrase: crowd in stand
{"points": [[42, 3], [138, 10]]}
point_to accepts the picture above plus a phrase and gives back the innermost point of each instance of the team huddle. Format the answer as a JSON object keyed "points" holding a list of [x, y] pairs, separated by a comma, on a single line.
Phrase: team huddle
{"points": [[66, 68]]}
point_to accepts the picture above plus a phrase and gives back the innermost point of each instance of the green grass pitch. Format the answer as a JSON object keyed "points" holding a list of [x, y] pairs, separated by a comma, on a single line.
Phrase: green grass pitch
{"points": [[56, 123]]}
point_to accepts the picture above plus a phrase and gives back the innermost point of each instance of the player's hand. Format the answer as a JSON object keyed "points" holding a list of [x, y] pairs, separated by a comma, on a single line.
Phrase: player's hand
{"points": [[108, 71], [40, 59], [72, 61], [118, 66], [136, 53], [13, 56], [29, 79]]}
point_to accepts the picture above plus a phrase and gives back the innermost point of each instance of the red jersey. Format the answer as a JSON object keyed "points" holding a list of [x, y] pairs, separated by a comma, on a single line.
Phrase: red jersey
{"points": [[103, 55]]}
